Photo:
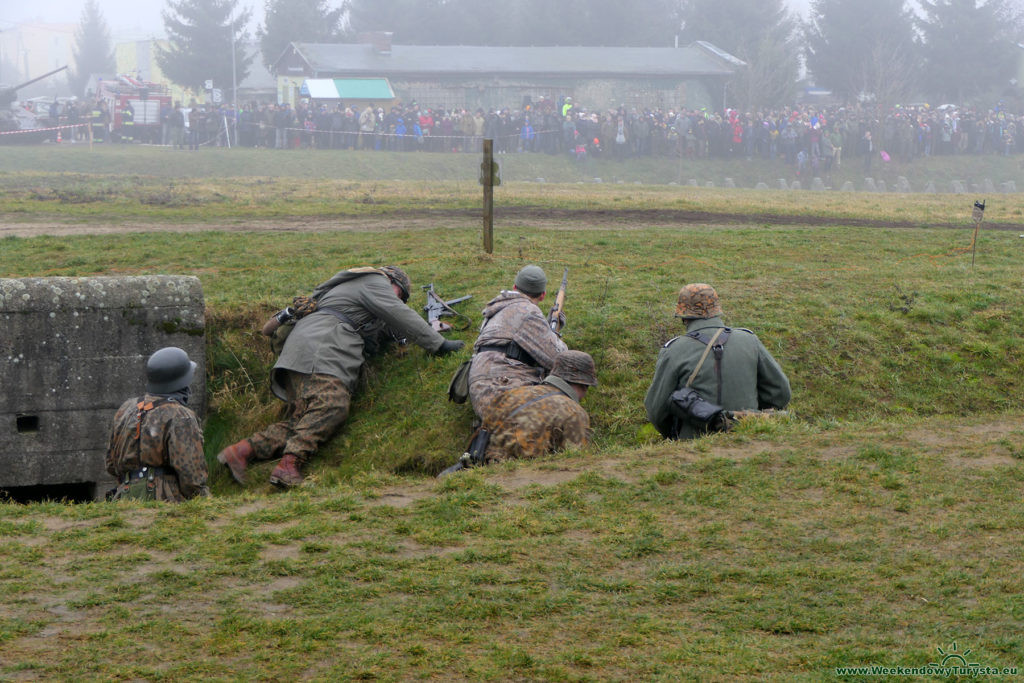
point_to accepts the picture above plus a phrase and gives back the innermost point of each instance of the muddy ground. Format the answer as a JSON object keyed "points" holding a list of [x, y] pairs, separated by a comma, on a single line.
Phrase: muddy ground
{"points": [[552, 219]]}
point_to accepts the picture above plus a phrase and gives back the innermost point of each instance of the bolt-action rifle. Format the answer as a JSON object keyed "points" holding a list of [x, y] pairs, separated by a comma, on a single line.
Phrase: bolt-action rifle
{"points": [[556, 316], [738, 415], [437, 308]]}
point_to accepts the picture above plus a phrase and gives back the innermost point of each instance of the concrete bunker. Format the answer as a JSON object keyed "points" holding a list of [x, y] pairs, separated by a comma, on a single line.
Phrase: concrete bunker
{"points": [[71, 351]]}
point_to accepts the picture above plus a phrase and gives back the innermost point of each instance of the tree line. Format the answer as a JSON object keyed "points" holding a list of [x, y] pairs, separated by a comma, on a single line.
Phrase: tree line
{"points": [[880, 50]]}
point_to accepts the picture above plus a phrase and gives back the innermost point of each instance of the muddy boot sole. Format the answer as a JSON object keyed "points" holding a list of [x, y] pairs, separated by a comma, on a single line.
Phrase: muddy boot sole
{"points": [[284, 482], [285, 479]]}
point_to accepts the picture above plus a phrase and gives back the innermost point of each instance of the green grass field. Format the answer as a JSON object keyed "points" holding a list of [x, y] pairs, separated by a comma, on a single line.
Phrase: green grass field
{"points": [[877, 523]]}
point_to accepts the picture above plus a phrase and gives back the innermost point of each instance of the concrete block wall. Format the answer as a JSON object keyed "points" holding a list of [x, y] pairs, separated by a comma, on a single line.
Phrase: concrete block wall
{"points": [[71, 351]]}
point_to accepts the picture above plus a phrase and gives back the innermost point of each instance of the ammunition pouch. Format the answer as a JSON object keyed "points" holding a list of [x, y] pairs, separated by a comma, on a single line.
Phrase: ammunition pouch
{"points": [[138, 485], [458, 388], [702, 415]]}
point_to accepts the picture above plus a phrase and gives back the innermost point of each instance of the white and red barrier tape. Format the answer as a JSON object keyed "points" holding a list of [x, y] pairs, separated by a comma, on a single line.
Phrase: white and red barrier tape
{"points": [[40, 130]]}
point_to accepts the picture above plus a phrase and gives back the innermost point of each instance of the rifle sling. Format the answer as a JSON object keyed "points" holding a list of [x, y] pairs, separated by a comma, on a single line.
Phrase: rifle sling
{"points": [[338, 314]]}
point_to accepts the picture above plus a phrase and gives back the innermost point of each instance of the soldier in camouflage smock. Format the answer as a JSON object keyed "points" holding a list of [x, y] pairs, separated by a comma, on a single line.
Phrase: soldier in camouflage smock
{"points": [[156, 444], [358, 311], [747, 376], [528, 422], [516, 347]]}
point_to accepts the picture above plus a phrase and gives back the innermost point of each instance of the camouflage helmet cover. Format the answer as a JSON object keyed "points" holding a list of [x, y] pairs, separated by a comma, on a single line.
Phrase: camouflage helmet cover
{"points": [[398, 277], [575, 367], [697, 301]]}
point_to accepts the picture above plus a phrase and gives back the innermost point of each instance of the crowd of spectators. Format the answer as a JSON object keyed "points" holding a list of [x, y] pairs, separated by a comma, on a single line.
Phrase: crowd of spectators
{"points": [[806, 136], [810, 138]]}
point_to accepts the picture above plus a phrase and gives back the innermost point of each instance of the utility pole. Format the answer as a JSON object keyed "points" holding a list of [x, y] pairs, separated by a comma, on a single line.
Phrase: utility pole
{"points": [[2, 53], [234, 82]]}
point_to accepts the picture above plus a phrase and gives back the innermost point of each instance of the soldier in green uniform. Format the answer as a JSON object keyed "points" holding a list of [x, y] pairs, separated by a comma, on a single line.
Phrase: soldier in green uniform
{"points": [[740, 375], [357, 312], [156, 445]]}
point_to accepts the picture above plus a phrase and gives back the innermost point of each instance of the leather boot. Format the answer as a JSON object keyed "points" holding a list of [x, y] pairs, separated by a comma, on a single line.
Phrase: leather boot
{"points": [[287, 473], [236, 458]]}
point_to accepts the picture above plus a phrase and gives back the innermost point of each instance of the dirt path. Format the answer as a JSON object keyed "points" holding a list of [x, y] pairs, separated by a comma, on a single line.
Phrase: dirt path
{"points": [[544, 219]]}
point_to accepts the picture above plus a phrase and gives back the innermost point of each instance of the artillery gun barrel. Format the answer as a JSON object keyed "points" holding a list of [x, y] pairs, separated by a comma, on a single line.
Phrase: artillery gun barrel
{"points": [[8, 95]]}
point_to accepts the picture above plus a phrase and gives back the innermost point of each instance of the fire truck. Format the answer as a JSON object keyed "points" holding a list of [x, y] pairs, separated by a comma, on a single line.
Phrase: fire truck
{"points": [[134, 107]]}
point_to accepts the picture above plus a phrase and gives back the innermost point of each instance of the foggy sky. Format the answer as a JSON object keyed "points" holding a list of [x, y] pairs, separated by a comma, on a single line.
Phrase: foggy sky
{"points": [[140, 19]]}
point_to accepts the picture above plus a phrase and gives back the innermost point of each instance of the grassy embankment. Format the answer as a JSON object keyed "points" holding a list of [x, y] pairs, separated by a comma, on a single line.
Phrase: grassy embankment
{"points": [[879, 522]]}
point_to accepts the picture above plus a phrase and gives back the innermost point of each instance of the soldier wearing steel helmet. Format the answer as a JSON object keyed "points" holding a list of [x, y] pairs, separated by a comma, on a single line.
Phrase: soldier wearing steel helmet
{"points": [[516, 346], [745, 377], [156, 444], [530, 421], [358, 311]]}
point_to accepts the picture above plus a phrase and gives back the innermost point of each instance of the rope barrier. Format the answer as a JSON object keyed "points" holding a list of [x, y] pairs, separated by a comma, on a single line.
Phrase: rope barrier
{"points": [[425, 136]]}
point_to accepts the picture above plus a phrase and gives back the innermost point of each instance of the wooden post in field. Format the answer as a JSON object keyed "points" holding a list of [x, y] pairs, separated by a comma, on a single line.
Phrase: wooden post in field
{"points": [[978, 214], [487, 180]]}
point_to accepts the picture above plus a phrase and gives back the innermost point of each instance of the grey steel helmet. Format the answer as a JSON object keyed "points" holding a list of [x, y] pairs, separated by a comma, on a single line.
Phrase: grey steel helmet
{"points": [[169, 370], [575, 367], [398, 277]]}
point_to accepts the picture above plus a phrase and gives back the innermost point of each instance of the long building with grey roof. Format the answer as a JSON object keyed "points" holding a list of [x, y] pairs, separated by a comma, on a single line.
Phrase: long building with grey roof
{"points": [[457, 76]]}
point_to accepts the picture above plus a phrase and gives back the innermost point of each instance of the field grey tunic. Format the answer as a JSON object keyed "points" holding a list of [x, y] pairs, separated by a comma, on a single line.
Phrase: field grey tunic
{"points": [[751, 378], [325, 344]]}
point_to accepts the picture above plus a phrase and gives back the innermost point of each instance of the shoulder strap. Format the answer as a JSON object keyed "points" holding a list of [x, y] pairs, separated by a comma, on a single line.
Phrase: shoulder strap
{"points": [[532, 401], [143, 406], [708, 343]]}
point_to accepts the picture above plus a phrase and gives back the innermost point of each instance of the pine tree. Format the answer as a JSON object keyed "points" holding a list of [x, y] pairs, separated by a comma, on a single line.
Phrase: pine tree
{"points": [[202, 34], [762, 34], [288, 21], [640, 23], [862, 48], [970, 48], [93, 52]]}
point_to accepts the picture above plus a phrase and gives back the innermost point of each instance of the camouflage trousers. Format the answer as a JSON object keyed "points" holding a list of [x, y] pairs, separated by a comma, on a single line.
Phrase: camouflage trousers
{"points": [[491, 375], [317, 406], [529, 422]]}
